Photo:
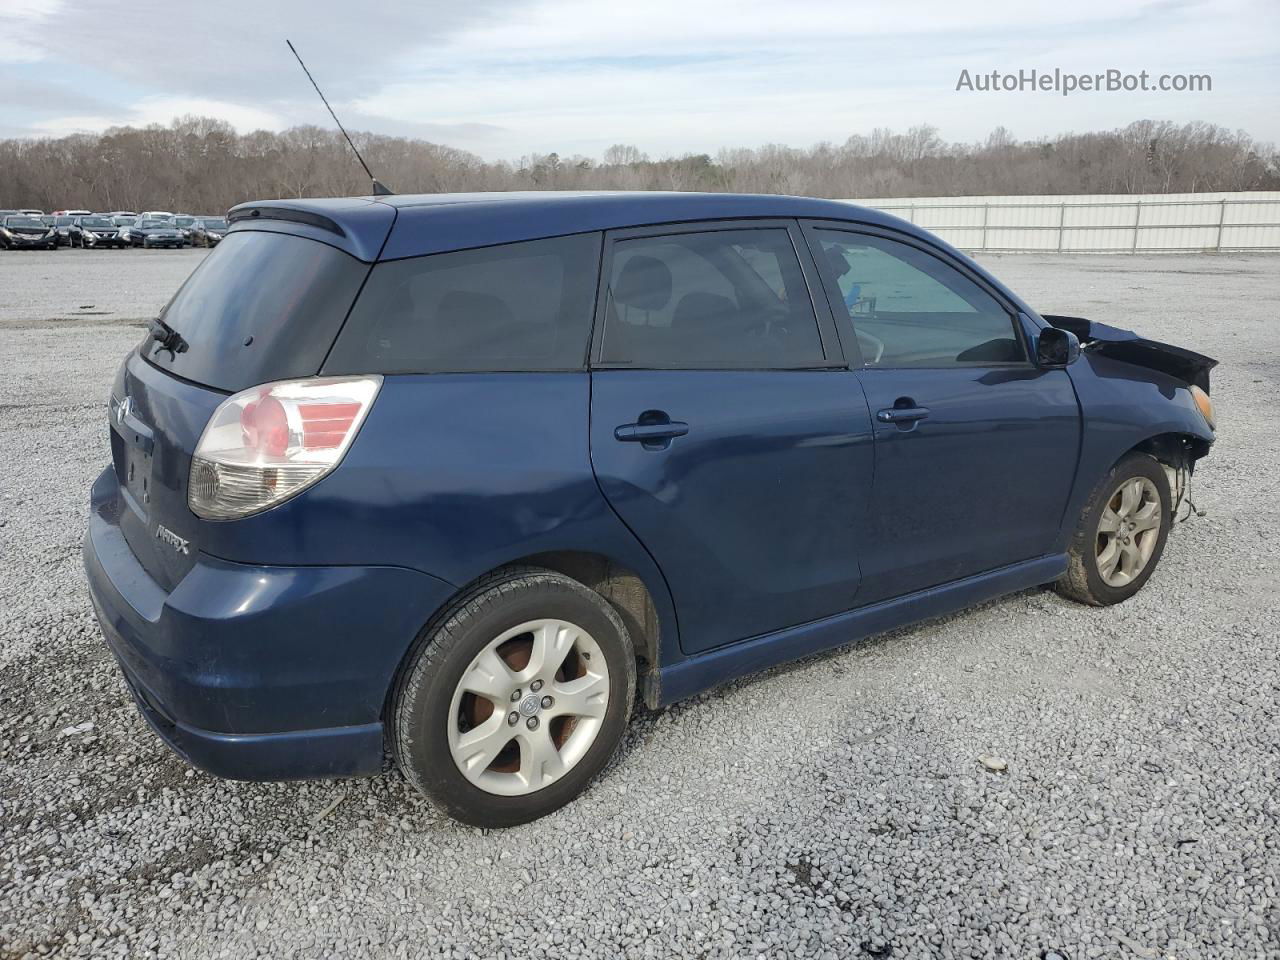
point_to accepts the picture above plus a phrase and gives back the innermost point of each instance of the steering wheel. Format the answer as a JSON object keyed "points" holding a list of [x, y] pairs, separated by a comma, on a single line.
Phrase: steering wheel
{"points": [[872, 347], [769, 323]]}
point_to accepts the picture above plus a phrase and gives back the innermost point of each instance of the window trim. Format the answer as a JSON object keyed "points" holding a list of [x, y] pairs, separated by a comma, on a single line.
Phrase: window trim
{"points": [[811, 228], [829, 339]]}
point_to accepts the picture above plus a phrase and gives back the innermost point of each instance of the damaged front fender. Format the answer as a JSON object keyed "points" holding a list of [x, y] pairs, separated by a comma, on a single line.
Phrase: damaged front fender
{"points": [[1129, 347]]}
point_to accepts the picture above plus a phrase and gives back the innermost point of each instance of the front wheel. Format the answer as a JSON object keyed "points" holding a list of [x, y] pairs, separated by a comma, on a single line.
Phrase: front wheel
{"points": [[515, 699], [1120, 535]]}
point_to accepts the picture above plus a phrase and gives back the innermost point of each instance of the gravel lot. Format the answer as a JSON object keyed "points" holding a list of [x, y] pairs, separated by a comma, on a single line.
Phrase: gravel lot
{"points": [[834, 808]]}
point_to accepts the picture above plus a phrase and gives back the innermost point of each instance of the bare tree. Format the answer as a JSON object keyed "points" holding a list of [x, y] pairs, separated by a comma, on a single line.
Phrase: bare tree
{"points": [[201, 164]]}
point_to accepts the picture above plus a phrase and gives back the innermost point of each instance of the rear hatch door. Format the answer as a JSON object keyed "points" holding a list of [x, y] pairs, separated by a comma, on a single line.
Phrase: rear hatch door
{"points": [[264, 306]]}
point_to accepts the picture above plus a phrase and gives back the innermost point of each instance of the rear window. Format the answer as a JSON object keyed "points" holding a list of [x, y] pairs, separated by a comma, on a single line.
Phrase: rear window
{"points": [[518, 306], [261, 307]]}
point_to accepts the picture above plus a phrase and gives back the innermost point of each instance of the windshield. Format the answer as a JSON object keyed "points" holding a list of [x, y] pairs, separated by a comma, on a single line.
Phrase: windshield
{"points": [[123, 221], [23, 222], [97, 222], [155, 224], [214, 224], [185, 221], [63, 221]]}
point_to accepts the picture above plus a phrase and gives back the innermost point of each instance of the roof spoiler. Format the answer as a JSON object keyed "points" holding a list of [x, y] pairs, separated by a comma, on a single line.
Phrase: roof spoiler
{"points": [[1125, 345], [267, 212]]}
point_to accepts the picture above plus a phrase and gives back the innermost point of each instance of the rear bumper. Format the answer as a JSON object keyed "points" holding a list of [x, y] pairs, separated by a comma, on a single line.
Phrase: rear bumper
{"points": [[254, 672]]}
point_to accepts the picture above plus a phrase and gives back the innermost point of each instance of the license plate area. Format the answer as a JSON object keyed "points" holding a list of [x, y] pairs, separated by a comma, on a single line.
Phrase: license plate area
{"points": [[134, 446]]}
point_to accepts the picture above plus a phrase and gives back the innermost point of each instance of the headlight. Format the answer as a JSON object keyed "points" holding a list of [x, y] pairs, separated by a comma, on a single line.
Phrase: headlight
{"points": [[1205, 406]]}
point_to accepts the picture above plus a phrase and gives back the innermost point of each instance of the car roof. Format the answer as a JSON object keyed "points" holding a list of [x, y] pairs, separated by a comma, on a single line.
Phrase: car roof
{"points": [[441, 222]]}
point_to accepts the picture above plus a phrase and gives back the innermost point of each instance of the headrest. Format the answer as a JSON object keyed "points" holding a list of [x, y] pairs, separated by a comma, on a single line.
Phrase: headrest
{"points": [[645, 284], [700, 312]]}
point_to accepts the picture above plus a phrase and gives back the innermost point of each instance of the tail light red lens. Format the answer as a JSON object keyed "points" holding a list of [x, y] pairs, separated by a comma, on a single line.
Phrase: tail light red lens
{"points": [[268, 443]]}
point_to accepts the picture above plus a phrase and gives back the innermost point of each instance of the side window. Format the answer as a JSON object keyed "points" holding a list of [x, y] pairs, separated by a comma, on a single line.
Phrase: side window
{"points": [[518, 306], [910, 309], [721, 298]]}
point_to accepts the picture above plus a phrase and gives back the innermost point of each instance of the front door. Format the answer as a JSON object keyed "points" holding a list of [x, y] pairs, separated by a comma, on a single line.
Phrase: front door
{"points": [[976, 447], [724, 431]]}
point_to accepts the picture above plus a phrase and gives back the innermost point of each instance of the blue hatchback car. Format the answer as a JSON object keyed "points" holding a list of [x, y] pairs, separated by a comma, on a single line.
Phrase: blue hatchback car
{"points": [[447, 482]]}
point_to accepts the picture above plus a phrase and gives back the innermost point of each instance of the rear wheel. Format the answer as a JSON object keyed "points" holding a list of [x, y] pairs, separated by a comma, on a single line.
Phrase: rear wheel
{"points": [[516, 698], [1120, 535]]}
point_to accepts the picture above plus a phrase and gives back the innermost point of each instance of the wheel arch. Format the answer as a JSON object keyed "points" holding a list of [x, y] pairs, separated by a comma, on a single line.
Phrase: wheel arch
{"points": [[621, 586], [1174, 448]]}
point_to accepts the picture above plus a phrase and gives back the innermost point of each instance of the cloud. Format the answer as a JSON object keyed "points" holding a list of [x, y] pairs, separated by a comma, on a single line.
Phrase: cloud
{"points": [[509, 77], [21, 26], [162, 110]]}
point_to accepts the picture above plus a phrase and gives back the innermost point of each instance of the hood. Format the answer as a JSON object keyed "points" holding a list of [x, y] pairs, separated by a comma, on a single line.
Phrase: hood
{"points": [[1127, 346]]}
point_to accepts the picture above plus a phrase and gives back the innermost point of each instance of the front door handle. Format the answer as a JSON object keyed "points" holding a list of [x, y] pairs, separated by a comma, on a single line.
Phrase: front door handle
{"points": [[648, 432], [902, 414]]}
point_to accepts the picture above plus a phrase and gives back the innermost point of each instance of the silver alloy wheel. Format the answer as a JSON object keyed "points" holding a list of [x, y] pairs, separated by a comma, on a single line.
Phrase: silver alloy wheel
{"points": [[528, 707], [1128, 531]]}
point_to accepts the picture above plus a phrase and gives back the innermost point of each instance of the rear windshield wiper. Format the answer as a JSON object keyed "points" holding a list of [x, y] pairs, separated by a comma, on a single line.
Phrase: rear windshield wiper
{"points": [[168, 338]]}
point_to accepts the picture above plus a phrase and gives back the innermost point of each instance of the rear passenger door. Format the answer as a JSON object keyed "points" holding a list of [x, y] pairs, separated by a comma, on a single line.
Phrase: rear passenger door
{"points": [[726, 429], [976, 447]]}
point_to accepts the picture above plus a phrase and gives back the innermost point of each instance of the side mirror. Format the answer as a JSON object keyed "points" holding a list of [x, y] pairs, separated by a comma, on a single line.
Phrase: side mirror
{"points": [[1056, 348]]}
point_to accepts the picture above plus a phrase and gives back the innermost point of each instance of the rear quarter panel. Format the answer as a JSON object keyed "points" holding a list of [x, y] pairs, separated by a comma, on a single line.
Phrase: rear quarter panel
{"points": [[1123, 405], [454, 475]]}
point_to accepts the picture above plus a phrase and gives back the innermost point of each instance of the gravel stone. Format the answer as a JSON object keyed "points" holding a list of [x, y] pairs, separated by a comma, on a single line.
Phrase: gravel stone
{"points": [[830, 808]]}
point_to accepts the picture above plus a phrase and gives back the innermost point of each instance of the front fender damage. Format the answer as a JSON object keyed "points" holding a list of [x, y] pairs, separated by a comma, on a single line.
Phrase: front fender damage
{"points": [[1129, 347]]}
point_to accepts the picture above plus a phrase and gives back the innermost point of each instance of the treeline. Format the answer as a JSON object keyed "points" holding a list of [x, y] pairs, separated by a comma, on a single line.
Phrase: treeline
{"points": [[202, 165]]}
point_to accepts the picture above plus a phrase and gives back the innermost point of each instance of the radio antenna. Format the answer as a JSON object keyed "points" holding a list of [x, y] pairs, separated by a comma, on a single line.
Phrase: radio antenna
{"points": [[380, 189]]}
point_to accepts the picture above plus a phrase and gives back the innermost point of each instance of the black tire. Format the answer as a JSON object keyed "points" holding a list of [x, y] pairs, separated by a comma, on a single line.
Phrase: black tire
{"points": [[1083, 580], [421, 702]]}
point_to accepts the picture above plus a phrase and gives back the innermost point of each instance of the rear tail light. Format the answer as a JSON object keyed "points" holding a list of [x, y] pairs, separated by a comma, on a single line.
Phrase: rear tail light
{"points": [[267, 443]]}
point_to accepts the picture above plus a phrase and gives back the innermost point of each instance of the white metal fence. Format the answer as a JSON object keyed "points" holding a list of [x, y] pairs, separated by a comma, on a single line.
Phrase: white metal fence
{"points": [[1098, 224]]}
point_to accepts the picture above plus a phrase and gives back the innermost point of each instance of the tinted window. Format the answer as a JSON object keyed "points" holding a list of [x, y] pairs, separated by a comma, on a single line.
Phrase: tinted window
{"points": [[911, 309], [723, 298], [260, 307], [519, 306]]}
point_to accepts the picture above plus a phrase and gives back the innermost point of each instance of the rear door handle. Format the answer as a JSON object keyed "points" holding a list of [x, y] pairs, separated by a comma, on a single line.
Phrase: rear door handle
{"points": [[902, 414], [643, 432]]}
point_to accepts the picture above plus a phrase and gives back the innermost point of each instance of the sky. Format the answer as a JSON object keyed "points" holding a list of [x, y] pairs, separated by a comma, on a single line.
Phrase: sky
{"points": [[507, 78]]}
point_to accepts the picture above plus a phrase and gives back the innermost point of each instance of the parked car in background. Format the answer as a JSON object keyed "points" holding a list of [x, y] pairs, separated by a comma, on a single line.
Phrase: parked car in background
{"points": [[65, 226], [32, 213], [21, 232], [122, 213], [156, 215], [97, 231], [124, 219], [548, 453], [150, 232], [184, 222], [207, 231]]}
